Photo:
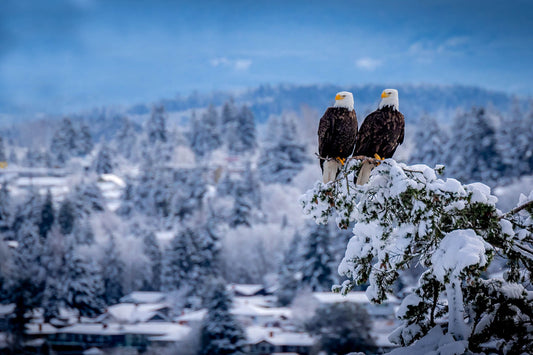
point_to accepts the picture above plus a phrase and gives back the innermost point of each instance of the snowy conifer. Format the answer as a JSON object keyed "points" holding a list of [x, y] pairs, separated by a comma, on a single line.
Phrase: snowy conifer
{"points": [[87, 199], [156, 127], [283, 155], [242, 209], [63, 144], [289, 275], [247, 130], [473, 150], [220, 332], [342, 328], [205, 132], [154, 255], [188, 263], [47, 216], [453, 231], [3, 155], [5, 209], [66, 217], [84, 141], [318, 271], [84, 286], [104, 163], [112, 268], [429, 142], [126, 139], [228, 122]]}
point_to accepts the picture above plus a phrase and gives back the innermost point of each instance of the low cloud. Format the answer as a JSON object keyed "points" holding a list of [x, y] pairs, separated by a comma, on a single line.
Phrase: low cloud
{"points": [[236, 64], [368, 64]]}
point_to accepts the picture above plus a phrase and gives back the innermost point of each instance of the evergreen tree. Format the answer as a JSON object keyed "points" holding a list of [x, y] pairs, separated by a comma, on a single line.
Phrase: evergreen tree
{"points": [[47, 216], [83, 233], [283, 155], [126, 139], [472, 153], [318, 269], [229, 122], [246, 133], [28, 212], [84, 287], [63, 143], [104, 160], [112, 272], [289, 273], [156, 127], [453, 231], [342, 328], [242, 209], [84, 141], [127, 201], [154, 255], [526, 137], [188, 191], [5, 209], [204, 132], [220, 332], [65, 217], [26, 285], [87, 199], [3, 155], [430, 142], [188, 264], [251, 185]]}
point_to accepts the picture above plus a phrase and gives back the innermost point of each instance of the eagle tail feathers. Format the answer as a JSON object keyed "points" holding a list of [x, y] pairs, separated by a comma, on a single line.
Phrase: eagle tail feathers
{"points": [[331, 168], [364, 173]]}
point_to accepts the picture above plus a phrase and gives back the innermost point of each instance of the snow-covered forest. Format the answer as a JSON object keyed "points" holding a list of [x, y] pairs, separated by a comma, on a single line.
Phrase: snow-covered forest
{"points": [[188, 199]]}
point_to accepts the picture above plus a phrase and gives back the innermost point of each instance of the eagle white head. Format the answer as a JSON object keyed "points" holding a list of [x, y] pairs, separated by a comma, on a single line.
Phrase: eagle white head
{"points": [[344, 99], [389, 97]]}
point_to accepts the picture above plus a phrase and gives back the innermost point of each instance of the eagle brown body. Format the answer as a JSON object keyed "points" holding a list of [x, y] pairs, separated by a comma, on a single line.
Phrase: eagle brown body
{"points": [[381, 133], [337, 132]]}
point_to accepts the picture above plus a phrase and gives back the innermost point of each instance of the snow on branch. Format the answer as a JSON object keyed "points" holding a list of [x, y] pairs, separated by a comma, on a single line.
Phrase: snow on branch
{"points": [[406, 215]]}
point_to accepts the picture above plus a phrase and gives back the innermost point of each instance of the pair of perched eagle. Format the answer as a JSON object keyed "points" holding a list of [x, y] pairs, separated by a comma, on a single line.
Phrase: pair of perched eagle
{"points": [[379, 135]]}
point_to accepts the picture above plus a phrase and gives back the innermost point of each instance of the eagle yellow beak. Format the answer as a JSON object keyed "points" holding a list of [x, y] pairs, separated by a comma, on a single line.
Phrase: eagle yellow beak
{"points": [[384, 95], [338, 97]]}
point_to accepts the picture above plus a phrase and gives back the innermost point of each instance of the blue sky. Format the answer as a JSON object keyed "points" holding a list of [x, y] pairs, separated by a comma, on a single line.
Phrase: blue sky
{"points": [[58, 56]]}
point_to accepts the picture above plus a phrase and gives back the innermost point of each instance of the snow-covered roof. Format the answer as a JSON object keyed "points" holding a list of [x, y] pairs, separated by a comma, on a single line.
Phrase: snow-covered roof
{"points": [[132, 313], [161, 331], [114, 179], [194, 316], [251, 310], [6, 309], [43, 328], [140, 297], [93, 351], [246, 289], [277, 336], [355, 297]]}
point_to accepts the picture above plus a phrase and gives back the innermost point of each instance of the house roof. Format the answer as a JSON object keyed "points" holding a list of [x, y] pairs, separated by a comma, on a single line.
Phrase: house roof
{"points": [[6, 309], [162, 331], [277, 336], [133, 313], [140, 297], [246, 289], [354, 296]]}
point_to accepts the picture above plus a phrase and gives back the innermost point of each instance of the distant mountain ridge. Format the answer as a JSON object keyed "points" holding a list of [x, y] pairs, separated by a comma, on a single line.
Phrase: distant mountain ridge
{"points": [[415, 100], [440, 101]]}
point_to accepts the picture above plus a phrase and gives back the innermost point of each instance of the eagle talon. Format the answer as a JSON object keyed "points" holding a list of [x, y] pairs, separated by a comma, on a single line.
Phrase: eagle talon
{"points": [[376, 156], [341, 160]]}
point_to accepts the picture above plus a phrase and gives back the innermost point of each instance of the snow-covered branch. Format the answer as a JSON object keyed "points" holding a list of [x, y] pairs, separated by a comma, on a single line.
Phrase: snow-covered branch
{"points": [[407, 214]]}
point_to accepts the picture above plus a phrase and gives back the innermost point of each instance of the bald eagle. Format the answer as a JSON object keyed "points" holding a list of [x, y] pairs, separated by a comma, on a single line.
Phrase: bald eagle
{"points": [[336, 135], [381, 133]]}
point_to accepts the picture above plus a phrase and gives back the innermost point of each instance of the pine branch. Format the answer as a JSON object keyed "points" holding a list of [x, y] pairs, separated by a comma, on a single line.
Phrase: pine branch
{"points": [[515, 210]]}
